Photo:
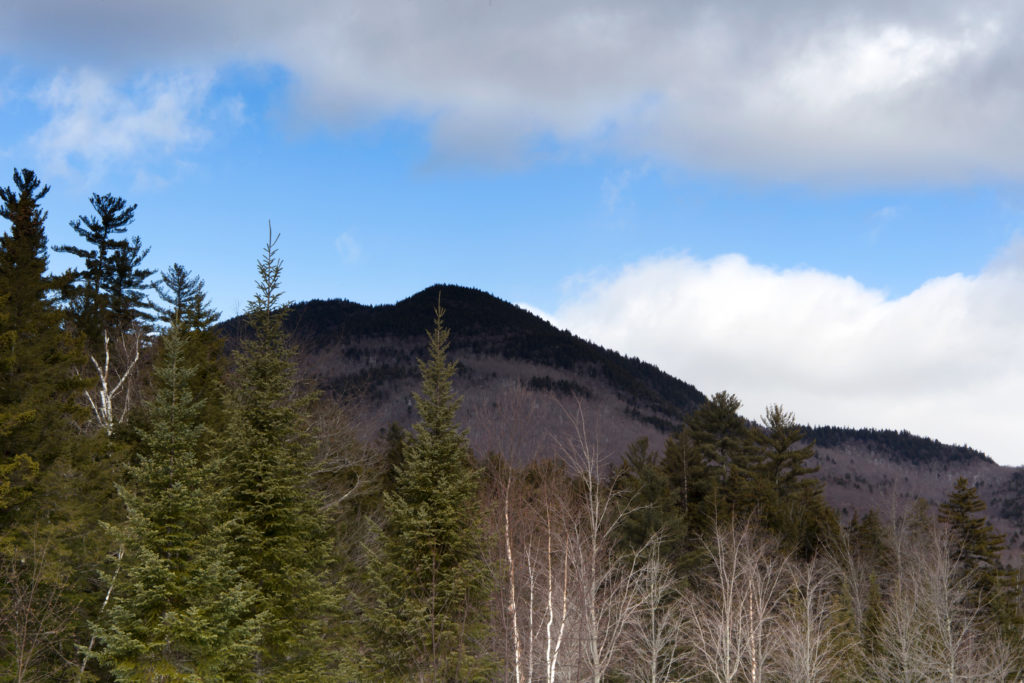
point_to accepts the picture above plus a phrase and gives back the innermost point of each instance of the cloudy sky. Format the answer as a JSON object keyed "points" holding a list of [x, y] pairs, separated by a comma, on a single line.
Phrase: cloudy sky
{"points": [[818, 203]]}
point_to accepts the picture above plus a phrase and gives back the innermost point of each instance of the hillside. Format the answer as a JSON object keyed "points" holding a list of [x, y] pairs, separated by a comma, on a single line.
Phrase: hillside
{"points": [[523, 380]]}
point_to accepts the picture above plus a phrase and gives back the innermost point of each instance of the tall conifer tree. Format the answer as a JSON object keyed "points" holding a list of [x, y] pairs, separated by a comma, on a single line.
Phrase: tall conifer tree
{"points": [[978, 551], [109, 294], [726, 443], [281, 538], [180, 610], [187, 306], [792, 503], [36, 353], [429, 581]]}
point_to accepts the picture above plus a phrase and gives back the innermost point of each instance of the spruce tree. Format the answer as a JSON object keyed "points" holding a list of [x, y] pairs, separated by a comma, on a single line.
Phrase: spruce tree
{"points": [[185, 297], [55, 485], [281, 539], [428, 615], [37, 355], [180, 611], [187, 306]]}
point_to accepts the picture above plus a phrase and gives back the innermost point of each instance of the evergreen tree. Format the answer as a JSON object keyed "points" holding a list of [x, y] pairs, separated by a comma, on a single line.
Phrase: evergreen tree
{"points": [[650, 502], [185, 297], [793, 503], [55, 483], [785, 465], [110, 293], [428, 619], [36, 354], [180, 610], [281, 538], [978, 551], [687, 472], [186, 305], [726, 444]]}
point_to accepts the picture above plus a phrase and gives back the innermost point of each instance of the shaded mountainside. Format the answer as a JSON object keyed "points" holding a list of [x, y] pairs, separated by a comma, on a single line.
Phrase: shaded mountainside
{"points": [[523, 381], [484, 325]]}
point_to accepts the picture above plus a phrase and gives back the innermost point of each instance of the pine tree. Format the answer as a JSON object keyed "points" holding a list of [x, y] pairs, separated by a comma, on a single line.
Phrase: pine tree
{"points": [[281, 538], [180, 610], [110, 293], [793, 503], [430, 585], [726, 444], [978, 551], [649, 503]]}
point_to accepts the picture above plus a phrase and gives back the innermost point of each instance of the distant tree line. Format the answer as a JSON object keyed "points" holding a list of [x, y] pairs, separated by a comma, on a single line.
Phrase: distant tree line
{"points": [[171, 510]]}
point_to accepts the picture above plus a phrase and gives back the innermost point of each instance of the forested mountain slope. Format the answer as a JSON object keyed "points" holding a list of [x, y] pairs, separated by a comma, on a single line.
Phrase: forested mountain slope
{"points": [[521, 378]]}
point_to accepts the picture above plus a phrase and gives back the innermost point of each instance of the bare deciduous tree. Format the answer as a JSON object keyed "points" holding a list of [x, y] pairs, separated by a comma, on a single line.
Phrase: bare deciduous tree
{"points": [[116, 375], [654, 637], [931, 629], [813, 642], [732, 614], [36, 620], [604, 577]]}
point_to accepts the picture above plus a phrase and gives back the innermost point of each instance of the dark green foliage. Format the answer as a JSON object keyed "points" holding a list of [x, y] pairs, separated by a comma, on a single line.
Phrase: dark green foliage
{"points": [[562, 387], [23, 263], [651, 503], [180, 608], [37, 355], [721, 467], [793, 504], [688, 473], [785, 465], [185, 296], [280, 536], [203, 348], [899, 445], [57, 480], [110, 293], [872, 558], [726, 444], [427, 618], [979, 547]]}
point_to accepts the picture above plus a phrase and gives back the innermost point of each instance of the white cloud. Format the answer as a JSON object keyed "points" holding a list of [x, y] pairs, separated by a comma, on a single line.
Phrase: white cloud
{"points": [[945, 361], [93, 123], [825, 90]]}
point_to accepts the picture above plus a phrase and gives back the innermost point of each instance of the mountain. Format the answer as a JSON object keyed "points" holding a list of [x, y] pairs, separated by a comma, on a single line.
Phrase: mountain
{"points": [[525, 383]]}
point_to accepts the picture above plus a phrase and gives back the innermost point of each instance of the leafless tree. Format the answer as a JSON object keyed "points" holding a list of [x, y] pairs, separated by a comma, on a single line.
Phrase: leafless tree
{"points": [[814, 644], [537, 584], [344, 466], [529, 512], [116, 371], [733, 612], [604, 577], [930, 627], [654, 636], [36, 620]]}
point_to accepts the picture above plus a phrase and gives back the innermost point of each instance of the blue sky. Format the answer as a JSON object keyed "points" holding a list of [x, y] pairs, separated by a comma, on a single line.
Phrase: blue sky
{"points": [[812, 203]]}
